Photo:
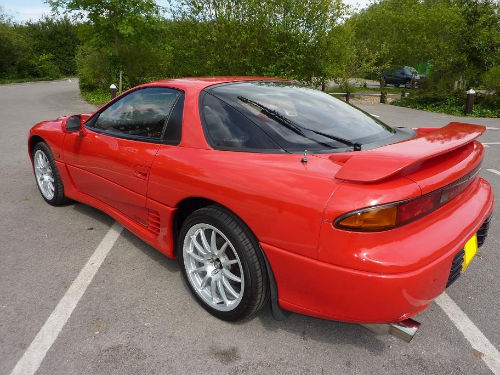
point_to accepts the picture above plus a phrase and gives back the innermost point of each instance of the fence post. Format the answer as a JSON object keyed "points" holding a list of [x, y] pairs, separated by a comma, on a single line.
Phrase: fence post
{"points": [[347, 96], [112, 90], [469, 103], [383, 97]]}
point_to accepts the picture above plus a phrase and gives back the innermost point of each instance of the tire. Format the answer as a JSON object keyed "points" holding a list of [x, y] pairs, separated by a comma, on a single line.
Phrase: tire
{"points": [[47, 176], [212, 274], [408, 84]]}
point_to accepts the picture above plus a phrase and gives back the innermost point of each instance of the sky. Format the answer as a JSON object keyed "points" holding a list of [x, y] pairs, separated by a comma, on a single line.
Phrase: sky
{"points": [[24, 10]]}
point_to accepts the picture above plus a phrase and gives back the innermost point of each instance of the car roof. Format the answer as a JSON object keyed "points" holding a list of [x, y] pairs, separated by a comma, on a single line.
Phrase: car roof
{"points": [[199, 83]]}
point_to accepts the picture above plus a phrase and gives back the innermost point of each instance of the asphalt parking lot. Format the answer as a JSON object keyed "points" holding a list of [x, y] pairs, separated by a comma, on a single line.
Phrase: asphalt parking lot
{"points": [[137, 316]]}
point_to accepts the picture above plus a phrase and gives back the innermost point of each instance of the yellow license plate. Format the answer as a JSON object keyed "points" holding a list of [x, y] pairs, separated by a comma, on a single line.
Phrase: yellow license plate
{"points": [[470, 250]]}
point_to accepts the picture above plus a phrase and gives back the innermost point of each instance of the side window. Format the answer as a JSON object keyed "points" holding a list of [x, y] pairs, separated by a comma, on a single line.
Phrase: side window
{"points": [[173, 131], [142, 113], [229, 129]]}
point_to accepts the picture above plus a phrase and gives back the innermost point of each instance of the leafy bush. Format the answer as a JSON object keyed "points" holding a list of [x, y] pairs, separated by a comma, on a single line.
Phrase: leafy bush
{"points": [[97, 97], [452, 103], [43, 49], [491, 79], [94, 67], [42, 66]]}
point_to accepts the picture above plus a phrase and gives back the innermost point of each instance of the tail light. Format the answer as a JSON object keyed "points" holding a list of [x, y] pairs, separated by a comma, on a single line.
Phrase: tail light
{"points": [[395, 214]]}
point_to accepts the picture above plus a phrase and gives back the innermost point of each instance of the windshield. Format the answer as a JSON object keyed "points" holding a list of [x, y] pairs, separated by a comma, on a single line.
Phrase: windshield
{"points": [[299, 118]]}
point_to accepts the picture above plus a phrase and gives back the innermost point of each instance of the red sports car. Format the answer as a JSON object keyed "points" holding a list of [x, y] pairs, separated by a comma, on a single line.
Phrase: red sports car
{"points": [[266, 188]]}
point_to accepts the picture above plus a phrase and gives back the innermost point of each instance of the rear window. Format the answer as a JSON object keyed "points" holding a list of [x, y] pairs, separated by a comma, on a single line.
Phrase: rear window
{"points": [[285, 116], [228, 129]]}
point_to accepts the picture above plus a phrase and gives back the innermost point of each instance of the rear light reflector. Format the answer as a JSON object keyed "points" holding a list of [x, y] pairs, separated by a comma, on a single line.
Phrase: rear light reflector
{"points": [[391, 215]]}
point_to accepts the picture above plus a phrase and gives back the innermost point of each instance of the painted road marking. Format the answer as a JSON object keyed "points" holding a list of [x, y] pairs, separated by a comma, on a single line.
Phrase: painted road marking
{"points": [[492, 128], [487, 144], [493, 171], [34, 355], [490, 354]]}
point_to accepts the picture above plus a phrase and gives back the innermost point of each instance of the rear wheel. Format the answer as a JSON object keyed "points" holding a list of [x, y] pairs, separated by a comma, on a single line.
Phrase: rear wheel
{"points": [[222, 264], [47, 176]]}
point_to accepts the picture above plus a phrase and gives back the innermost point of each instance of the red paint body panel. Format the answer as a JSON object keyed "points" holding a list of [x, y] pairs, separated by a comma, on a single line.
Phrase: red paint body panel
{"points": [[262, 189], [113, 170], [290, 206], [395, 158], [417, 273], [163, 242]]}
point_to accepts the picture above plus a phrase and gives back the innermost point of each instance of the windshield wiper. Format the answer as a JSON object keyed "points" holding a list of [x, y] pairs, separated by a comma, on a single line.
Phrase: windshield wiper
{"points": [[298, 128]]}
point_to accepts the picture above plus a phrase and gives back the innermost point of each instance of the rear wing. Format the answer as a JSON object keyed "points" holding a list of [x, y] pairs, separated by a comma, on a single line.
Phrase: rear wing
{"points": [[383, 162]]}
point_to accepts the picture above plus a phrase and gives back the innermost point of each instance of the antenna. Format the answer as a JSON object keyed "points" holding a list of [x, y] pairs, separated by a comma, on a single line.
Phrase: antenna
{"points": [[304, 158]]}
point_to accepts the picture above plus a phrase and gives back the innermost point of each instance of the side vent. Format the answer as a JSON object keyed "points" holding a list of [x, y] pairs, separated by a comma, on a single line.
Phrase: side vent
{"points": [[154, 222]]}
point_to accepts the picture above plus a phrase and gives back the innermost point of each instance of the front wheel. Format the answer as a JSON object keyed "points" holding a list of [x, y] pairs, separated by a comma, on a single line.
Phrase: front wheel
{"points": [[47, 176], [222, 264]]}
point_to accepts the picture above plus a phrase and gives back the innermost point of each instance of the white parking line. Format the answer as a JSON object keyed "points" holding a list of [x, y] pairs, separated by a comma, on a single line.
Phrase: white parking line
{"points": [[492, 128], [491, 143], [493, 171], [34, 355], [489, 353]]}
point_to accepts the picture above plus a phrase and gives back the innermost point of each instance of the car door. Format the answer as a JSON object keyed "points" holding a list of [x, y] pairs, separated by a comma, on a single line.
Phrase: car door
{"points": [[110, 159]]}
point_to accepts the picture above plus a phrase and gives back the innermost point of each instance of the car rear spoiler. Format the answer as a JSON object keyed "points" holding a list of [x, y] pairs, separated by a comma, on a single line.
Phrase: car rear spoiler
{"points": [[383, 162]]}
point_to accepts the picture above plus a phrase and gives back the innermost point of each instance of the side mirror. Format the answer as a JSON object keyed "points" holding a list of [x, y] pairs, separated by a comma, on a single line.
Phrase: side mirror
{"points": [[73, 123]]}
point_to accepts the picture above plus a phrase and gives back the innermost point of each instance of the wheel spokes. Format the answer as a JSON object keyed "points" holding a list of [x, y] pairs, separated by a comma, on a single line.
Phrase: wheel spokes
{"points": [[213, 267], [204, 282], [230, 262], [199, 269], [213, 290], [200, 248], [196, 257], [222, 293], [204, 241], [231, 276], [222, 249], [213, 243], [229, 288]]}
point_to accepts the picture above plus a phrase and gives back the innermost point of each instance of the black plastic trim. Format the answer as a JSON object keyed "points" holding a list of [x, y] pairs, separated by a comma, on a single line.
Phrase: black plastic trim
{"points": [[88, 124], [276, 310]]}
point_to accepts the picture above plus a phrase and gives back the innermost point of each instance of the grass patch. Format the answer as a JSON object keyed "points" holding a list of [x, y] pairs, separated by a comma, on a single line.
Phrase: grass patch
{"points": [[96, 97], [450, 105], [8, 81], [390, 90]]}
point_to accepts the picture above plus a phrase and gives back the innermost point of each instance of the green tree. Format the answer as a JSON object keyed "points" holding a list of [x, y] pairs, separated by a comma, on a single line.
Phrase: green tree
{"points": [[479, 37], [55, 37], [287, 38], [392, 31], [112, 20], [13, 47], [118, 35], [347, 56]]}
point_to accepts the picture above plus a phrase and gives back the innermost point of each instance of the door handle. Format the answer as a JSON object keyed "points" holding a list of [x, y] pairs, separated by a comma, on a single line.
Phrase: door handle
{"points": [[141, 171]]}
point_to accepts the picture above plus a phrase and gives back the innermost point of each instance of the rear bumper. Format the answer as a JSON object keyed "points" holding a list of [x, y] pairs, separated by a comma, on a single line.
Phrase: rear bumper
{"points": [[325, 290]]}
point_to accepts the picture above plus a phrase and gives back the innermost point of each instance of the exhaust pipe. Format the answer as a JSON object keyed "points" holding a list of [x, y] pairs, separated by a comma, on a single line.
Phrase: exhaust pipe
{"points": [[404, 330]]}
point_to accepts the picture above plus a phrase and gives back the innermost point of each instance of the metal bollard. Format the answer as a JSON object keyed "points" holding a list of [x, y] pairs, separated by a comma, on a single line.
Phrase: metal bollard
{"points": [[469, 103], [112, 90], [383, 97], [347, 96]]}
